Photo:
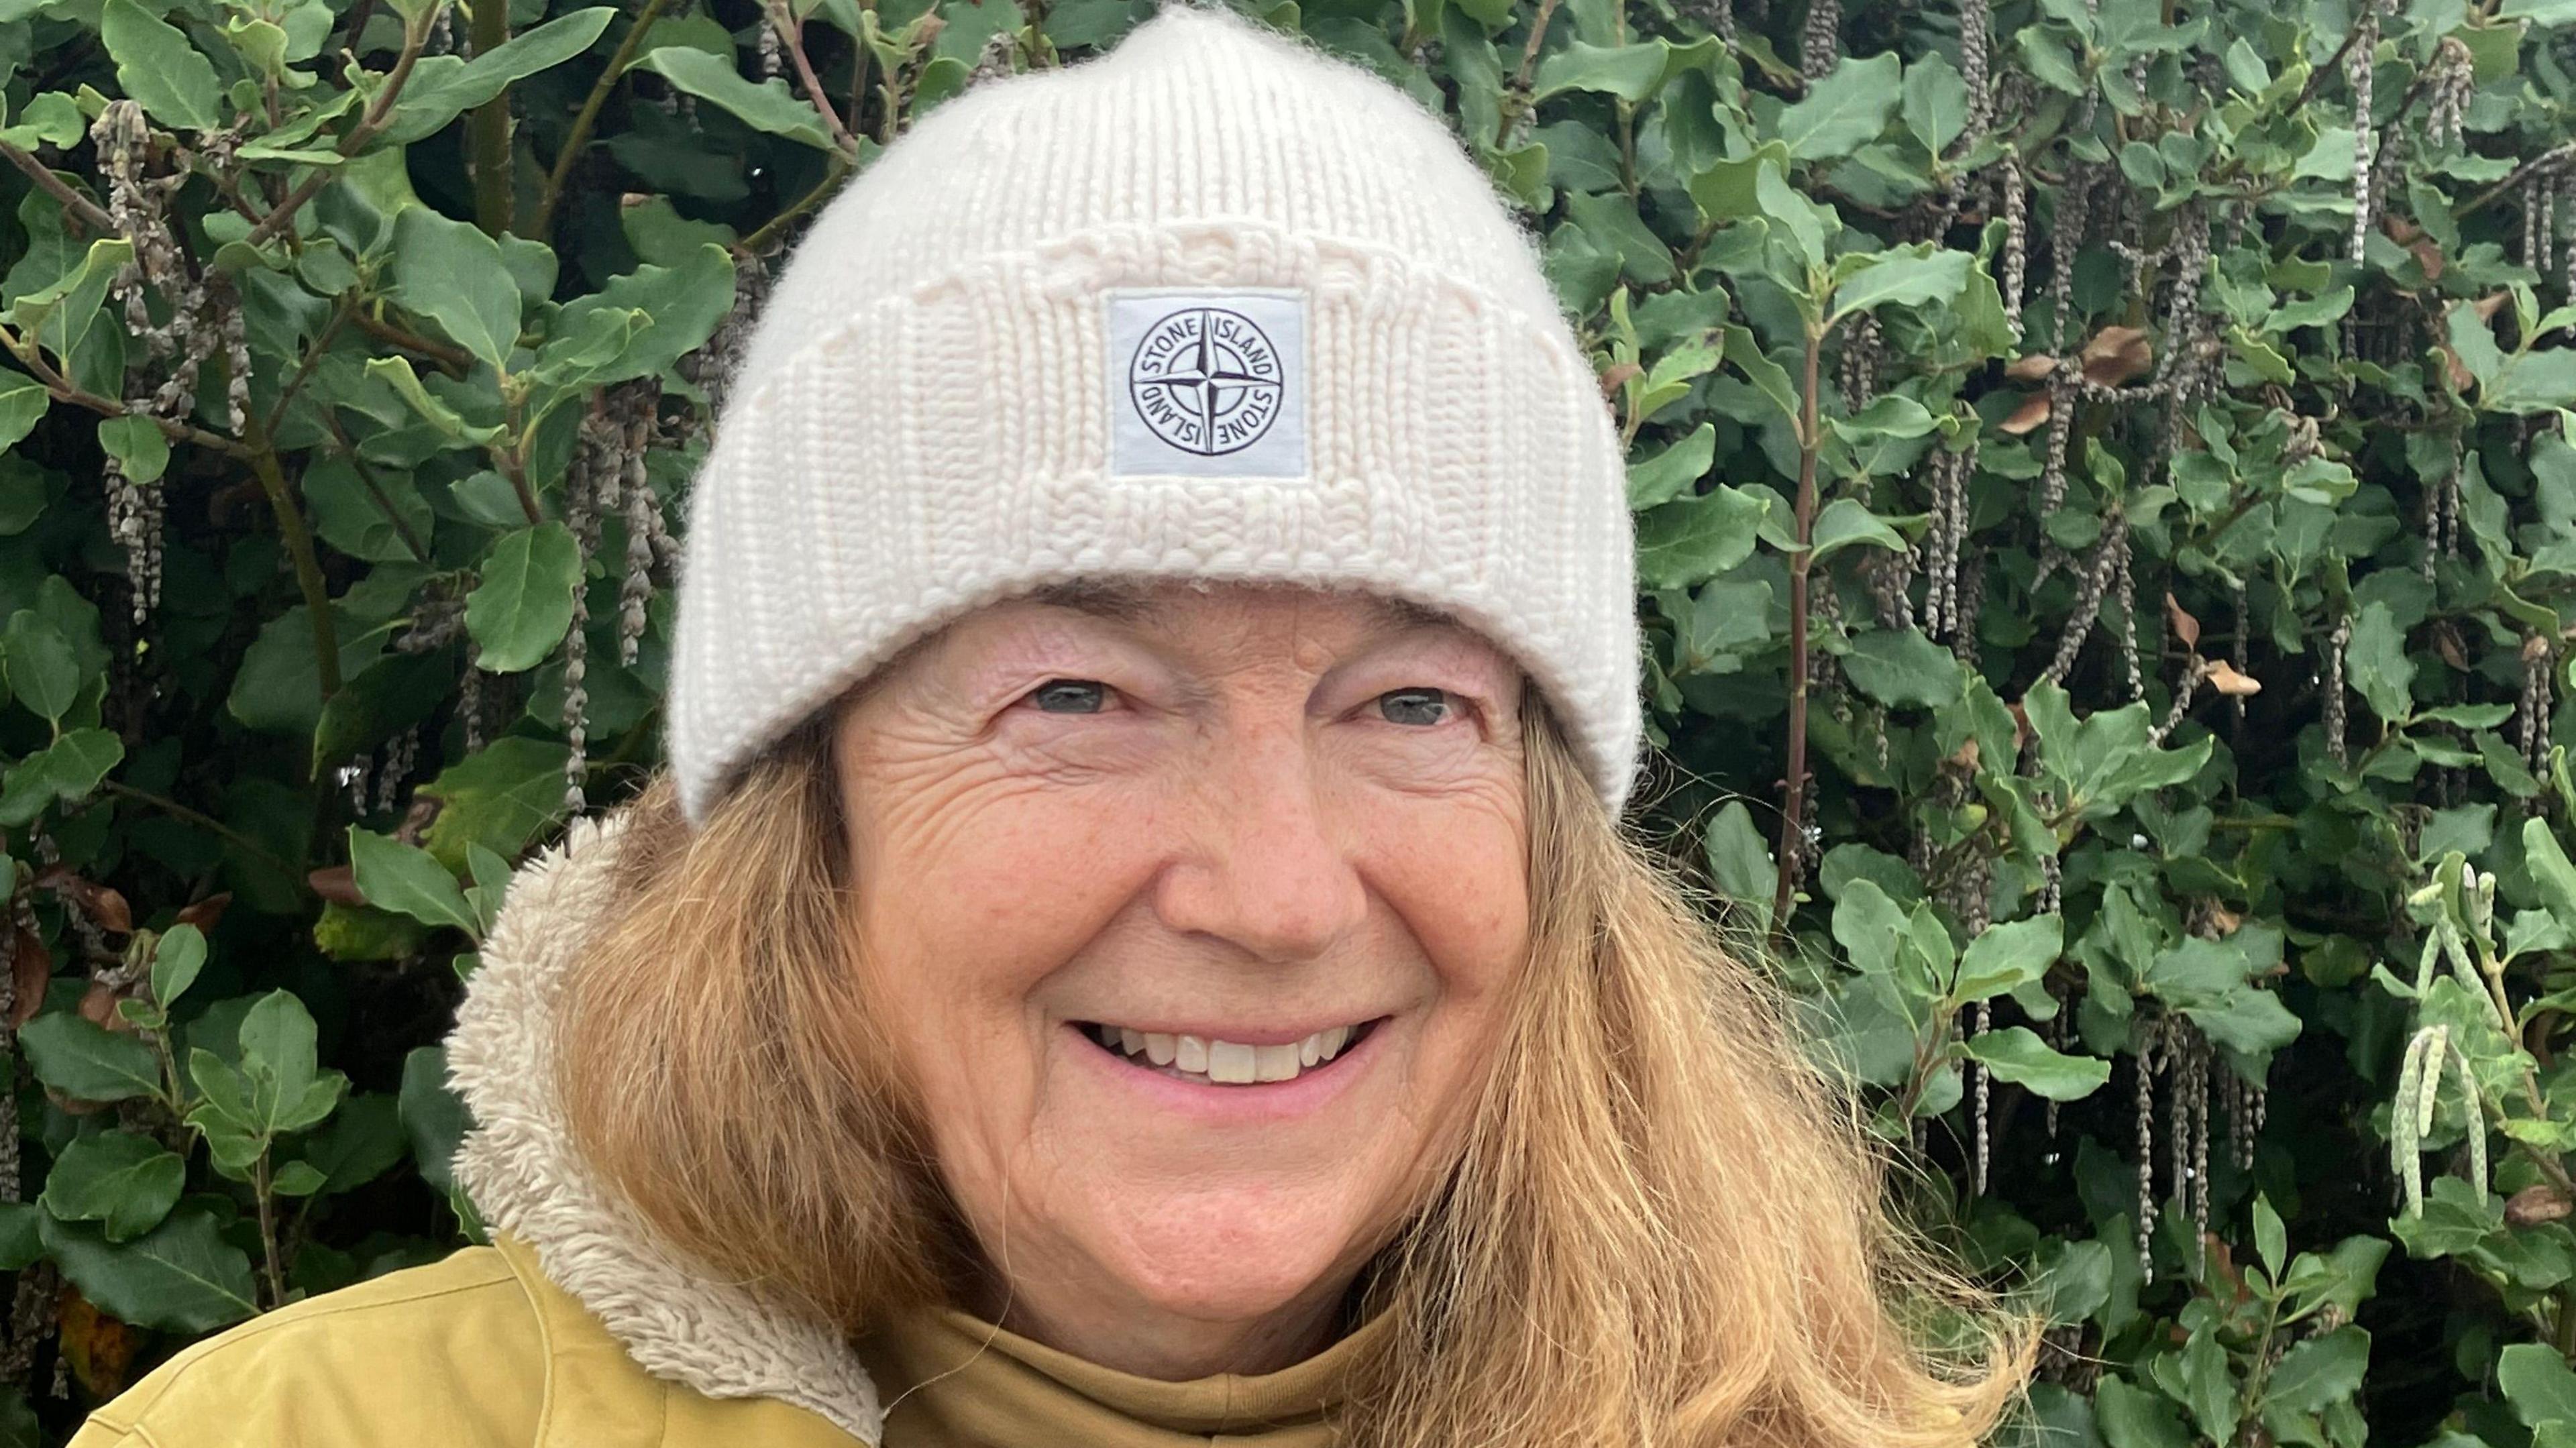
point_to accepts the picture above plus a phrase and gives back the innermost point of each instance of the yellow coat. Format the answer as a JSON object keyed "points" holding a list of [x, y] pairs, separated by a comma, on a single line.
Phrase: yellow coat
{"points": [[480, 1350]]}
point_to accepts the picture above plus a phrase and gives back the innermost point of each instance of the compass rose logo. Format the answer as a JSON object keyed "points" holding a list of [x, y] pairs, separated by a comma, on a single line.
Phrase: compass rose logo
{"points": [[1207, 381]]}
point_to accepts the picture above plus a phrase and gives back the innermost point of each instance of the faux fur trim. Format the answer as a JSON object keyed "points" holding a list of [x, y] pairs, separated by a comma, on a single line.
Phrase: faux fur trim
{"points": [[519, 1167]]}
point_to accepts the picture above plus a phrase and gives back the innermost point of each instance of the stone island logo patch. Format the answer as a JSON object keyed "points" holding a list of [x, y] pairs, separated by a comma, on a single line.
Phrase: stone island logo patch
{"points": [[1207, 383]]}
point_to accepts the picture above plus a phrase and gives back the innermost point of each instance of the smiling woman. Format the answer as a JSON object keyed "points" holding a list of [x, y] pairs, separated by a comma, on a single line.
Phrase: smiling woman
{"points": [[1135, 945], [1567, 1180]]}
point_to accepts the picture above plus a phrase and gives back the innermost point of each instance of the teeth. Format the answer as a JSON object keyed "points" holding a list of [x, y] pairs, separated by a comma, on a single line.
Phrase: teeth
{"points": [[1228, 1063]]}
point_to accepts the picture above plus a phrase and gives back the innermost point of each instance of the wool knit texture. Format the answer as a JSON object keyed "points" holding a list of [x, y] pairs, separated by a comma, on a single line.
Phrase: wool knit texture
{"points": [[1214, 305]]}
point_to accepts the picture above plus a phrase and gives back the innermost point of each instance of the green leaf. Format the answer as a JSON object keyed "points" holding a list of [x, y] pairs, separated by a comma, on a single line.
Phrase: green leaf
{"points": [[1630, 72], [395, 372], [1740, 860], [2018, 1055], [141, 449], [438, 93], [121, 1179], [1802, 220], [2007, 957], [23, 401], [2321, 1371], [1843, 109], [1901, 666], [1725, 191], [1847, 522], [88, 1062], [433, 1115], [362, 1142], [176, 958], [498, 798], [65, 772], [2271, 1238], [2050, 65], [182, 1276], [159, 69], [522, 608], [769, 106], [2377, 664], [1768, 377], [2538, 1382], [1670, 473], [1936, 103], [409, 881], [685, 303], [1906, 276], [1695, 539], [43, 671], [451, 273]]}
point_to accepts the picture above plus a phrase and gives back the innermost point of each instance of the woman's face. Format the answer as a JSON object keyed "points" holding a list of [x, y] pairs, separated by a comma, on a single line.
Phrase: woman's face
{"points": [[1238, 828]]}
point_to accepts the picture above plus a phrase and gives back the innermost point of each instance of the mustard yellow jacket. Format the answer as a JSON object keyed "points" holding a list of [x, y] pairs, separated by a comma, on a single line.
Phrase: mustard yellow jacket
{"points": [[573, 1330], [478, 1351]]}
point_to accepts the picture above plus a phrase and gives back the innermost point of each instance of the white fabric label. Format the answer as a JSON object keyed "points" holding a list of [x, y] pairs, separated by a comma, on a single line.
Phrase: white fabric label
{"points": [[1207, 382]]}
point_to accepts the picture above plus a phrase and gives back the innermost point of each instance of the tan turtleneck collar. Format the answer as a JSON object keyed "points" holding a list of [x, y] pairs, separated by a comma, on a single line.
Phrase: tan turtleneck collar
{"points": [[953, 1380]]}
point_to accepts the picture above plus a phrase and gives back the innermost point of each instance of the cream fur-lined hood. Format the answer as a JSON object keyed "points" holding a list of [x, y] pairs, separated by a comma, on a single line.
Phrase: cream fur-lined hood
{"points": [[519, 1167]]}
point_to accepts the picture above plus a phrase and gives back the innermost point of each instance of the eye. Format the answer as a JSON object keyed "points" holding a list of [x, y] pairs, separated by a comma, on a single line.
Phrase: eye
{"points": [[1071, 696], [1423, 705]]}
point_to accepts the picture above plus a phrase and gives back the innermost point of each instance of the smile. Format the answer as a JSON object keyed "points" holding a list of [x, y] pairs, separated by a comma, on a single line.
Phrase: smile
{"points": [[1208, 1061]]}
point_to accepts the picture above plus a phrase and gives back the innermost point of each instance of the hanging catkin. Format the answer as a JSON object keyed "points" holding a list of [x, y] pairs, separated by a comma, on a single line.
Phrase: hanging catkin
{"points": [[2531, 714], [1820, 41], [2358, 63], [1976, 42], [2014, 201], [2143, 1126]]}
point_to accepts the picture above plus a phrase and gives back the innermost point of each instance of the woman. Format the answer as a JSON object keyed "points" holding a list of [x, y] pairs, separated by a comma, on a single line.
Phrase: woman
{"points": [[1134, 946]]}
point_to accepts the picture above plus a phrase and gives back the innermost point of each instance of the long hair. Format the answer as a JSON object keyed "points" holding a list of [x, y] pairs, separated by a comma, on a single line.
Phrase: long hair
{"points": [[1665, 1228]]}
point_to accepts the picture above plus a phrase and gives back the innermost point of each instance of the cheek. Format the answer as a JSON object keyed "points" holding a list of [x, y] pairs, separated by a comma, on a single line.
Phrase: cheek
{"points": [[963, 909], [1458, 875]]}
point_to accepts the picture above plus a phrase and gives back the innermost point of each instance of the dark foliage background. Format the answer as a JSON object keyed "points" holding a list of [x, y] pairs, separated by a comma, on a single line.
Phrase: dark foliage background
{"points": [[2102, 470]]}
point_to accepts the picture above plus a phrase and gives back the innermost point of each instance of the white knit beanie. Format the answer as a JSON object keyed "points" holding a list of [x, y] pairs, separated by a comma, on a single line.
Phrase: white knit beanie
{"points": [[1214, 305]]}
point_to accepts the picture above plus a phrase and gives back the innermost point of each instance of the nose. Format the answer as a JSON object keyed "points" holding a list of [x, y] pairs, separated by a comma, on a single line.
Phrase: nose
{"points": [[1264, 864]]}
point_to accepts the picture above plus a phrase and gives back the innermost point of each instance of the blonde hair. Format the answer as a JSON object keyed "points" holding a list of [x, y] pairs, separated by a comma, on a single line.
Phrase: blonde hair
{"points": [[1666, 1227]]}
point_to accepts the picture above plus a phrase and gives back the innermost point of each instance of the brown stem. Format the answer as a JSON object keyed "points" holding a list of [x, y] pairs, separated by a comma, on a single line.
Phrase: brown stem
{"points": [[541, 225], [455, 359], [791, 36], [312, 353], [380, 113], [1793, 840], [299, 546], [2550, 159], [1516, 95], [488, 129], [268, 1228], [833, 172], [73, 202], [375, 490], [65, 390]]}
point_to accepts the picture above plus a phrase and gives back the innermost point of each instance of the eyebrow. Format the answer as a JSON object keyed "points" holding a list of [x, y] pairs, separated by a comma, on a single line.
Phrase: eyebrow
{"points": [[1124, 602]]}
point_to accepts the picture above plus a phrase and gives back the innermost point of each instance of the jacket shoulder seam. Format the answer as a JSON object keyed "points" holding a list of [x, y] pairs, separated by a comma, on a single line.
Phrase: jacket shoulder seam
{"points": [[191, 1358]]}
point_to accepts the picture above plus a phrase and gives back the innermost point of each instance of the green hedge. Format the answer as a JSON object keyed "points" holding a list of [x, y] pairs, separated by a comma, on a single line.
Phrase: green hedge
{"points": [[2101, 470]]}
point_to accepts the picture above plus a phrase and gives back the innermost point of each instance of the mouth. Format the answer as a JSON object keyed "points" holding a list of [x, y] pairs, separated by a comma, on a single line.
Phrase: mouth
{"points": [[1208, 1061]]}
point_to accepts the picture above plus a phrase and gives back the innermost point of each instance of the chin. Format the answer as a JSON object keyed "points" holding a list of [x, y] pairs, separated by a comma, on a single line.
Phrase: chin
{"points": [[1229, 1255]]}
